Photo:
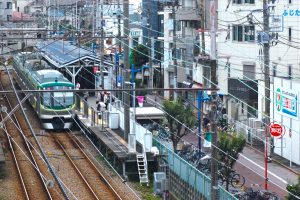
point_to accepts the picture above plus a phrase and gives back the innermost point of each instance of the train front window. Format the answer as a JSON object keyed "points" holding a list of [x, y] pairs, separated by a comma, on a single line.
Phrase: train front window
{"points": [[46, 99], [62, 99], [58, 100]]}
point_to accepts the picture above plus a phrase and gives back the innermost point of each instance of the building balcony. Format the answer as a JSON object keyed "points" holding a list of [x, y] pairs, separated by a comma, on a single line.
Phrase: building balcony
{"points": [[187, 14]]}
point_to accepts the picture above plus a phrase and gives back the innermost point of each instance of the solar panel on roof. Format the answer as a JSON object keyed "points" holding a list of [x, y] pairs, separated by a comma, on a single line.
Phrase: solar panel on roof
{"points": [[62, 52]]}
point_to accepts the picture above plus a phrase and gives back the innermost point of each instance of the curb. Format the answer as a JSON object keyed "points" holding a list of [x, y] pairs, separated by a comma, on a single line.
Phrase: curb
{"points": [[276, 161]]}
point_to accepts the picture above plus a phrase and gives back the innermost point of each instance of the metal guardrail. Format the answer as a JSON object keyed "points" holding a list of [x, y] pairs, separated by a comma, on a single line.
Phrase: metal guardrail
{"points": [[189, 173]]}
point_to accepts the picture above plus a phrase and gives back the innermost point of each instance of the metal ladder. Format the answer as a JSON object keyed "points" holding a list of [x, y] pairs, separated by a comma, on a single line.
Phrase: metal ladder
{"points": [[142, 167]]}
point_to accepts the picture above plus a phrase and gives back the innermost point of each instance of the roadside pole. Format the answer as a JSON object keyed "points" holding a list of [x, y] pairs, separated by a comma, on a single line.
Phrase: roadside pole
{"points": [[199, 121], [213, 62], [126, 102], [266, 51]]}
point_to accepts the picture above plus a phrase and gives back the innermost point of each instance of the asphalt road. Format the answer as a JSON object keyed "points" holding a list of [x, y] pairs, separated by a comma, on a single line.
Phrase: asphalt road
{"points": [[251, 165]]}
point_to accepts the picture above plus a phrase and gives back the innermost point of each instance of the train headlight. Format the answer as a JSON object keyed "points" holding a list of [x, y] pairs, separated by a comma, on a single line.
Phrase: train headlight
{"points": [[3, 109]]}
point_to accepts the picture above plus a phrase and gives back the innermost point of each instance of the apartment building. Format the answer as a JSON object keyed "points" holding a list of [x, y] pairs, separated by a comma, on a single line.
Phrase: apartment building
{"points": [[187, 21], [240, 51], [240, 72], [6, 7]]}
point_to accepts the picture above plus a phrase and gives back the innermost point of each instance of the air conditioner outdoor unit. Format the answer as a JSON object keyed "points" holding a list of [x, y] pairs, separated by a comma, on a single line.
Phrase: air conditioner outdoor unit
{"points": [[160, 183]]}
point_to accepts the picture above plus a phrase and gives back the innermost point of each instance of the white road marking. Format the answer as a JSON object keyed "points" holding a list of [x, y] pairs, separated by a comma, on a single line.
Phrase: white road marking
{"points": [[269, 172]]}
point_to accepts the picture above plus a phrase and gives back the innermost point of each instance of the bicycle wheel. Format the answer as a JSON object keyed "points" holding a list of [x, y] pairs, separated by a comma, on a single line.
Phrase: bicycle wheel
{"points": [[269, 196], [237, 180], [244, 196]]}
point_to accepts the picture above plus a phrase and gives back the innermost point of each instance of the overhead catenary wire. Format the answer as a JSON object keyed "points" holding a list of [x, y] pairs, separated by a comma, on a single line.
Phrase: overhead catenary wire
{"points": [[63, 183], [198, 135], [243, 101]]}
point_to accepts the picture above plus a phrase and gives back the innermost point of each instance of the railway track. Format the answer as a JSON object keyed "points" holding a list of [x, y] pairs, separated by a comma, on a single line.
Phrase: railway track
{"points": [[32, 172], [94, 181], [31, 178], [81, 177]]}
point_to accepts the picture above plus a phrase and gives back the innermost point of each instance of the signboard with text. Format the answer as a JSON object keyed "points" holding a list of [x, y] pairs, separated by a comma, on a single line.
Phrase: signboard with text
{"points": [[243, 89], [276, 130], [286, 102]]}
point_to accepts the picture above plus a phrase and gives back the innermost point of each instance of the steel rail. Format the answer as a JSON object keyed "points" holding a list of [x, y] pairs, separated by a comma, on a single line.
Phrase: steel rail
{"points": [[15, 161], [80, 145], [74, 165], [13, 151], [36, 167], [35, 138]]}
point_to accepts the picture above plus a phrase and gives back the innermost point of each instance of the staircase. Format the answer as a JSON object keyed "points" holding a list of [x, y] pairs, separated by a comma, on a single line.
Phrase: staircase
{"points": [[142, 167]]}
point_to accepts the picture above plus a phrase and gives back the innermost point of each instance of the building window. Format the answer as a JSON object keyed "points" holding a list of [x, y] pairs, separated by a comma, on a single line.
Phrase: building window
{"points": [[237, 1], [237, 33], [243, 33], [8, 18], [290, 34], [249, 32], [249, 72], [178, 54], [290, 1], [8, 5], [289, 71], [243, 108], [160, 25], [135, 42], [243, 2], [178, 25]]}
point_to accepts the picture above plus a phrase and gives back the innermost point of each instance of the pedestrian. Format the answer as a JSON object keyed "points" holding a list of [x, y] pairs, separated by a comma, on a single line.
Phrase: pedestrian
{"points": [[99, 106], [205, 121], [86, 95], [106, 99], [77, 86], [101, 94], [111, 56]]}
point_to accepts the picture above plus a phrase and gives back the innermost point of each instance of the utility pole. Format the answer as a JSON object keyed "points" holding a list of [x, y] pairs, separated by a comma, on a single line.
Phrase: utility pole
{"points": [[266, 49], [102, 45], [150, 46], [119, 27], [94, 17], [202, 18], [126, 67], [174, 3], [213, 114]]}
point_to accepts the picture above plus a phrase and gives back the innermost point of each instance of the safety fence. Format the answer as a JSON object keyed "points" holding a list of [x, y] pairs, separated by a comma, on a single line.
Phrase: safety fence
{"points": [[189, 173]]}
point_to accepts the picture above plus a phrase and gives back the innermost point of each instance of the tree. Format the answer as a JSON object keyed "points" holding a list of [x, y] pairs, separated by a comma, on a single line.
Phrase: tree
{"points": [[179, 117], [139, 55], [294, 189], [230, 147]]}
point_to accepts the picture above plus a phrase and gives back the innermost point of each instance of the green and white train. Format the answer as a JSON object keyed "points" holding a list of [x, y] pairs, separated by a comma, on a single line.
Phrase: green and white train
{"points": [[55, 109]]}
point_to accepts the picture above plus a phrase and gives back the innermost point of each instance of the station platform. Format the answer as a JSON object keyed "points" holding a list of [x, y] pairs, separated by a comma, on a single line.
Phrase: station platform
{"points": [[110, 142]]}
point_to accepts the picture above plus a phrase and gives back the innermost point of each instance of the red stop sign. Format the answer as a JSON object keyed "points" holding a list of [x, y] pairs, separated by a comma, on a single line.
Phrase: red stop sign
{"points": [[276, 130]]}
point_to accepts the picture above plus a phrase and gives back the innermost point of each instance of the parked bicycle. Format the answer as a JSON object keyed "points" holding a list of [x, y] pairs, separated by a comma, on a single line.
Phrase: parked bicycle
{"points": [[233, 178], [257, 194]]}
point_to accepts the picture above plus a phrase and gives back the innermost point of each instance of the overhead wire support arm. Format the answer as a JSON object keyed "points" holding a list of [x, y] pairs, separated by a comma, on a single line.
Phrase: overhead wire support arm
{"points": [[118, 90]]}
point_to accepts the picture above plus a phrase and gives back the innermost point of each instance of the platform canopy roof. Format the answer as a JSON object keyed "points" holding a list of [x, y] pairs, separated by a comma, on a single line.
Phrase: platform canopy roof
{"points": [[62, 54]]}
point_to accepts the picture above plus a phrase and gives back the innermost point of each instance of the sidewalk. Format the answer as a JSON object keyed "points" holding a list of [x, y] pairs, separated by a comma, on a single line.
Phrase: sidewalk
{"points": [[251, 163]]}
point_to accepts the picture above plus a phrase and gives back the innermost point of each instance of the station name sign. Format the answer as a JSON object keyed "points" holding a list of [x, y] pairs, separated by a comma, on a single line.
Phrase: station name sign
{"points": [[286, 102]]}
